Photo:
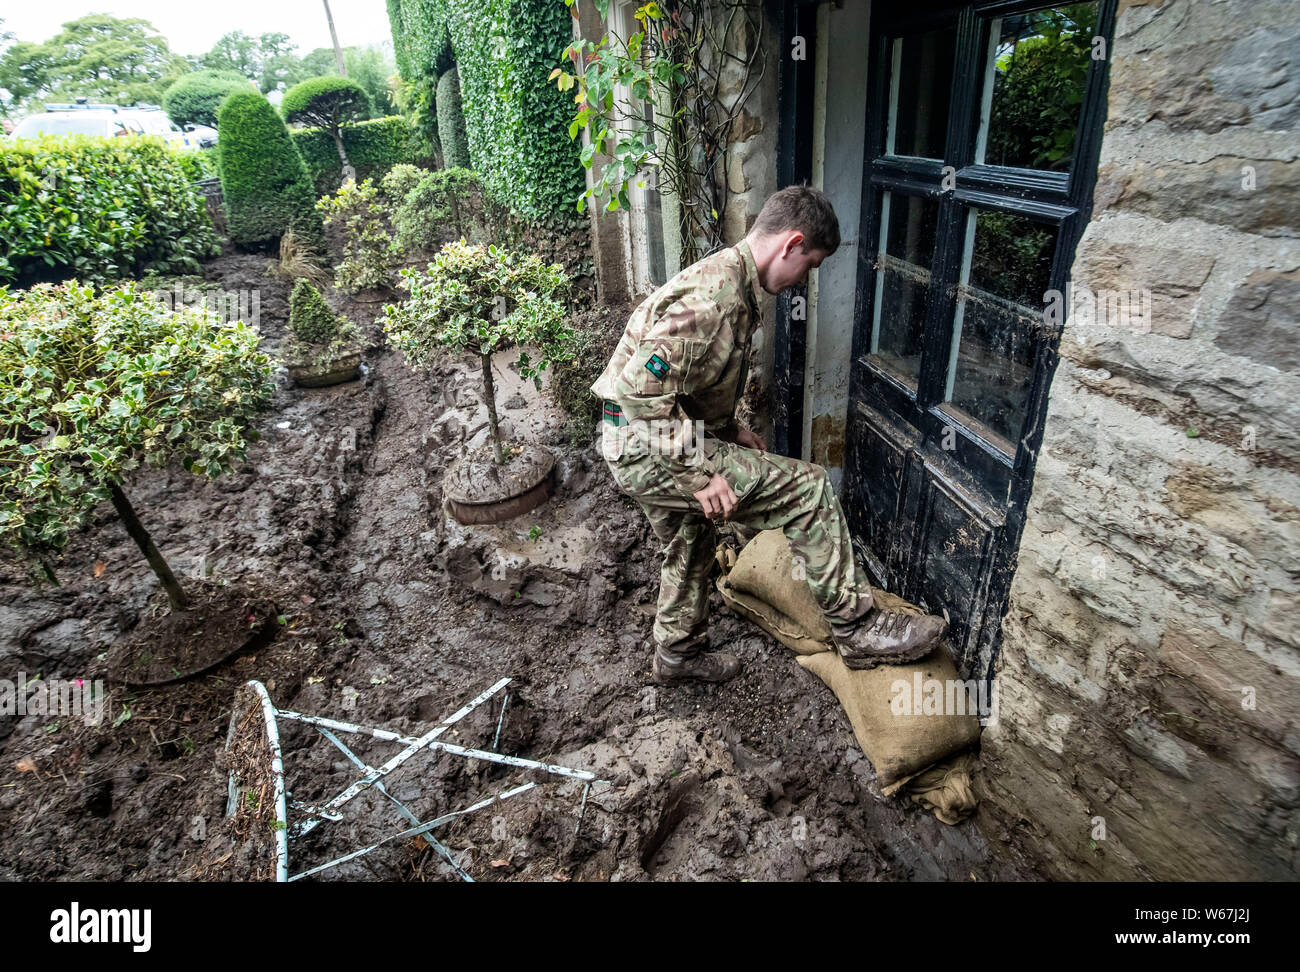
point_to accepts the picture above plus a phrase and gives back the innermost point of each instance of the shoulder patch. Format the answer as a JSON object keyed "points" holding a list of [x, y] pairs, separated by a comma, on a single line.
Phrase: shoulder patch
{"points": [[657, 366]]}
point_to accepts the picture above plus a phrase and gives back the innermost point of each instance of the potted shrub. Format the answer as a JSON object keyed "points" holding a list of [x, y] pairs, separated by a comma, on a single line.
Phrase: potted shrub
{"points": [[92, 386], [324, 348], [368, 247], [484, 300]]}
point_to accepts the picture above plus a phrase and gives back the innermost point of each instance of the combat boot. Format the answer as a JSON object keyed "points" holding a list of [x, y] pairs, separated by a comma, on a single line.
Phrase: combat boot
{"points": [[889, 638], [670, 668]]}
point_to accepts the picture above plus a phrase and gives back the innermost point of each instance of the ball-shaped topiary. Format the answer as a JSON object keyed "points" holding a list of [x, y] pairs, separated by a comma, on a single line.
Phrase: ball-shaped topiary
{"points": [[326, 102], [195, 98], [451, 122], [263, 179]]}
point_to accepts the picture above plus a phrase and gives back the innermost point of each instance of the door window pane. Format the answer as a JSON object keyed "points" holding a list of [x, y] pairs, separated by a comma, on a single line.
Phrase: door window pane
{"points": [[903, 281], [919, 93], [1006, 267], [1034, 87]]}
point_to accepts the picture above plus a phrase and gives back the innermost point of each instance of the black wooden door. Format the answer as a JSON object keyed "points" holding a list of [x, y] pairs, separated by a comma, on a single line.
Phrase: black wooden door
{"points": [[983, 127]]}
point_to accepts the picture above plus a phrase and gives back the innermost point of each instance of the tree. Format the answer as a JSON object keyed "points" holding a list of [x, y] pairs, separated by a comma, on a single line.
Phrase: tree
{"points": [[235, 51], [267, 60], [483, 300], [99, 57], [263, 179], [195, 98], [372, 69], [328, 103], [91, 386]]}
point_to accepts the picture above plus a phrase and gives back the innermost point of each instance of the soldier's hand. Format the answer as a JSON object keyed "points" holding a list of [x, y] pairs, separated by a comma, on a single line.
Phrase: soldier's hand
{"points": [[750, 440], [717, 498]]}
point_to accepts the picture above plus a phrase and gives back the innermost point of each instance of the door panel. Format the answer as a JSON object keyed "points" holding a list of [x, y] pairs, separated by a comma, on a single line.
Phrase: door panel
{"points": [[983, 127]]}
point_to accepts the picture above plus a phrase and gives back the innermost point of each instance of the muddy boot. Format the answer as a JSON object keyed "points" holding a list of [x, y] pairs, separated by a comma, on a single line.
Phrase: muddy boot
{"points": [[888, 638], [670, 667]]}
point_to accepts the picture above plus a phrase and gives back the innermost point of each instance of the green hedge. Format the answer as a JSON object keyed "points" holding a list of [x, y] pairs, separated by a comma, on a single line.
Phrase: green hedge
{"points": [[516, 123], [98, 208], [265, 184], [373, 148], [451, 122]]}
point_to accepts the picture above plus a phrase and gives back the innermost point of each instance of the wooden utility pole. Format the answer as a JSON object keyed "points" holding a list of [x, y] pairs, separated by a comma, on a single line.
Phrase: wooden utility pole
{"points": [[338, 51]]}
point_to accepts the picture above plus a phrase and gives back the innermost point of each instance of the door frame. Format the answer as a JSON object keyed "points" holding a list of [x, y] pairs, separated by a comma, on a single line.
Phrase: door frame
{"points": [[1064, 199]]}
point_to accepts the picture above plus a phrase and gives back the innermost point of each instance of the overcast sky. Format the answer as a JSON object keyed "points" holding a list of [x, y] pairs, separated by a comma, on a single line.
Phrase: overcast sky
{"points": [[192, 28]]}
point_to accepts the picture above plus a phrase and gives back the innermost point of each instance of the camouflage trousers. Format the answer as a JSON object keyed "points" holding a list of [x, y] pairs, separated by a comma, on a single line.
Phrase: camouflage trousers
{"points": [[774, 493]]}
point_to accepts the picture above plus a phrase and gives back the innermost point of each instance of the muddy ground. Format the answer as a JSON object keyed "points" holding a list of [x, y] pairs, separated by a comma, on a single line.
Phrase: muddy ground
{"points": [[392, 615]]}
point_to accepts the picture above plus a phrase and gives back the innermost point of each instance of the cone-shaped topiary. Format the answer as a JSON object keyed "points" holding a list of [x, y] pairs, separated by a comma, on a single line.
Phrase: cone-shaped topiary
{"points": [[263, 179], [310, 317], [451, 122]]}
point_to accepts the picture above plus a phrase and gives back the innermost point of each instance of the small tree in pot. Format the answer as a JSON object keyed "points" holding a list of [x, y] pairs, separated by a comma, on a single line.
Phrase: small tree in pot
{"points": [[91, 386], [325, 348], [483, 300]]}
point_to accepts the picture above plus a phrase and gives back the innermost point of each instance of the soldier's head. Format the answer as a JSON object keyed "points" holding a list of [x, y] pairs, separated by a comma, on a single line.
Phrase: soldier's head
{"points": [[794, 233]]}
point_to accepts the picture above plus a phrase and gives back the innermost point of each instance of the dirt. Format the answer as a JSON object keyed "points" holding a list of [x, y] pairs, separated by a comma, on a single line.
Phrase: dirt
{"points": [[393, 615]]}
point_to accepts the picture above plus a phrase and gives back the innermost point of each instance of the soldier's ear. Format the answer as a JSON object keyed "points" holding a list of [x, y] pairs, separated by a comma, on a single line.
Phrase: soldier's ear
{"points": [[793, 239]]}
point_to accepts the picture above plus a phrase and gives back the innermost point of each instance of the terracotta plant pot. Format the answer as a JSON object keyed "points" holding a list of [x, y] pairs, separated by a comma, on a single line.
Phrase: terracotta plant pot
{"points": [[478, 490]]}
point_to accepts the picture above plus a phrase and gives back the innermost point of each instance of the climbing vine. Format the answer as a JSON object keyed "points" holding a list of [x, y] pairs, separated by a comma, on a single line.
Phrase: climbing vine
{"points": [[682, 63]]}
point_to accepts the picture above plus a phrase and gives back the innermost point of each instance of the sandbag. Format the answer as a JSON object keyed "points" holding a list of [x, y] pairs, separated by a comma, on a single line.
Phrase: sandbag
{"points": [[886, 705], [765, 569], [899, 743], [945, 788]]}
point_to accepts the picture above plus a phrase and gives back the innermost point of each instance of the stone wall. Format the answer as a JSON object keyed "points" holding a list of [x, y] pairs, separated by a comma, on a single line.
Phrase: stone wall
{"points": [[1150, 668]]}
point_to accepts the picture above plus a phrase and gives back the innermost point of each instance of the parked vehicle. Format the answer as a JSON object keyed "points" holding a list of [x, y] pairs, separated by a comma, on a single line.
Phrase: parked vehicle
{"points": [[155, 122], [105, 121]]}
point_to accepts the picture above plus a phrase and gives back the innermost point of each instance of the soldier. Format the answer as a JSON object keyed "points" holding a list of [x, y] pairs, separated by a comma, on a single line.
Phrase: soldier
{"points": [[672, 443]]}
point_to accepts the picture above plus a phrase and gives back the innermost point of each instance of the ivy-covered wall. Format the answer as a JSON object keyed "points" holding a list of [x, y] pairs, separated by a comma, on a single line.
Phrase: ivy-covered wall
{"points": [[516, 123]]}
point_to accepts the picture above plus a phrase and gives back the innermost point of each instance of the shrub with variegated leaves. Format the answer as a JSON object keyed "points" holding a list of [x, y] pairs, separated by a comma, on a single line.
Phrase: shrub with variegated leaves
{"points": [[483, 299], [94, 384]]}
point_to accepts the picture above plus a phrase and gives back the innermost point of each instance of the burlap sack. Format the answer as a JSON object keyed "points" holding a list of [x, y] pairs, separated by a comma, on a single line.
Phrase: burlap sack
{"points": [[765, 570], [886, 705], [898, 739]]}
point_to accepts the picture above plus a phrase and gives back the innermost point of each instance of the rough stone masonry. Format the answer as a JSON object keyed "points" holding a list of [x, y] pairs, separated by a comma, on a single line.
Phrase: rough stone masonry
{"points": [[1150, 668]]}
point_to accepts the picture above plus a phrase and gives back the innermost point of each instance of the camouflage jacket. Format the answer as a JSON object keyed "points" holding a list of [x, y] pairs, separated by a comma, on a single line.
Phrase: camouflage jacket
{"points": [[681, 365]]}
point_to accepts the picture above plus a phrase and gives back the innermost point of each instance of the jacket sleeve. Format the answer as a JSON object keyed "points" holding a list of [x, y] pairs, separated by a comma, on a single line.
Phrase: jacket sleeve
{"points": [[677, 355]]}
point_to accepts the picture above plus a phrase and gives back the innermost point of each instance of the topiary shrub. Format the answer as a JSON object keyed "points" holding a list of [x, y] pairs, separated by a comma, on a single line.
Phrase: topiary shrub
{"points": [[451, 122], [310, 317], [92, 385], [195, 98], [98, 208], [263, 179], [319, 334], [373, 147], [328, 103], [484, 300]]}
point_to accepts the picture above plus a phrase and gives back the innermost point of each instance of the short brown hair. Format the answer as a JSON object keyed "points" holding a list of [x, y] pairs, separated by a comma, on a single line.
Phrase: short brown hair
{"points": [[805, 209]]}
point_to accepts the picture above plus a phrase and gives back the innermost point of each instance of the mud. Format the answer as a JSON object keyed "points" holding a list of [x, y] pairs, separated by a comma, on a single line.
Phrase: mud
{"points": [[394, 615]]}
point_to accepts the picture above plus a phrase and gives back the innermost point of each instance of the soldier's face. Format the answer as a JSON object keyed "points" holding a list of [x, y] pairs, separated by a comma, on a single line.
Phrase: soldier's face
{"points": [[791, 264]]}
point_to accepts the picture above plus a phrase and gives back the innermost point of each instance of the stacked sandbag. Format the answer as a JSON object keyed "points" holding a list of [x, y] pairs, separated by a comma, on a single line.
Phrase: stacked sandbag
{"points": [[910, 749]]}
